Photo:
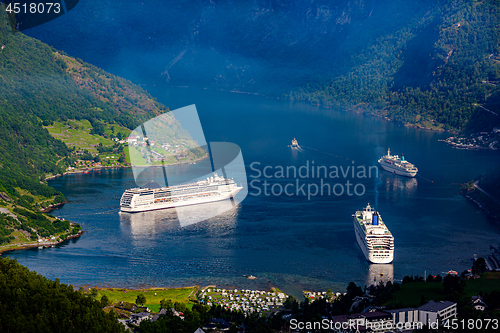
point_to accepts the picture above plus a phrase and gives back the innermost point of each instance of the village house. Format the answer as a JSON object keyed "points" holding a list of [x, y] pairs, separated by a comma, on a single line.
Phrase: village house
{"points": [[478, 303], [136, 318], [412, 318]]}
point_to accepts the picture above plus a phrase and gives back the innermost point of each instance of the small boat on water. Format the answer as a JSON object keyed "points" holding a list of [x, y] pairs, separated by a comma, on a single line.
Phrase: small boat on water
{"points": [[295, 144]]}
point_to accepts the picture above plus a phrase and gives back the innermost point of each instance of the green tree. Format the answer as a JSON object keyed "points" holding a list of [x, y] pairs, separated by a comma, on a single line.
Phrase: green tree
{"points": [[104, 301], [86, 156], [453, 286], [288, 304], [141, 299], [32, 303], [166, 304], [329, 294], [479, 266], [353, 290]]}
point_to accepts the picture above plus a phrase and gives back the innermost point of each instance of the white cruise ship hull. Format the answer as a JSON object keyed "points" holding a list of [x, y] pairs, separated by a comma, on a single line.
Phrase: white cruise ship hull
{"points": [[369, 254], [186, 201], [396, 170]]}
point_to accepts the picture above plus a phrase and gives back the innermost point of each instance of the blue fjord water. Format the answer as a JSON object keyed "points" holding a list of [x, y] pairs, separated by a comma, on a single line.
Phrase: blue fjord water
{"points": [[286, 241]]}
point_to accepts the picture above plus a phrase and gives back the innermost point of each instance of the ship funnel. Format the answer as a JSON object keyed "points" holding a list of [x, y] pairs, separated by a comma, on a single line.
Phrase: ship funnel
{"points": [[375, 218]]}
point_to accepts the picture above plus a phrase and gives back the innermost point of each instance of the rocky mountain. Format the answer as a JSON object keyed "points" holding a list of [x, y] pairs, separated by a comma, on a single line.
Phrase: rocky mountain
{"points": [[420, 63]]}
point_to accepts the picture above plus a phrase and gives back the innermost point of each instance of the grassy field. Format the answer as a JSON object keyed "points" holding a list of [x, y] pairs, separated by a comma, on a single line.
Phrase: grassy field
{"points": [[109, 157], [170, 158], [487, 283], [153, 295], [411, 293], [37, 198], [139, 160], [76, 133], [114, 129], [133, 152], [20, 238]]}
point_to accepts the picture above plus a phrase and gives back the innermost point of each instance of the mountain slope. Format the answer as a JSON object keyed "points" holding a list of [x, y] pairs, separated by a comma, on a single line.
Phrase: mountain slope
{"points": [[417, 62], [38, 86], [259, 46], [430, 73], [33, 303]]}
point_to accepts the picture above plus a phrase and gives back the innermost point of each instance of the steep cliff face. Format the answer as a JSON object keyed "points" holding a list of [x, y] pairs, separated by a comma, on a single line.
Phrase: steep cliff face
{"points": [[268, 46], [424, 63], [277, 46]]}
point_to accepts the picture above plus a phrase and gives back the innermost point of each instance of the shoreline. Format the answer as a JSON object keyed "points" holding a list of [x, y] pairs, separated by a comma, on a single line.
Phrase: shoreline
{"points": [[25, 246], [136, 287], [52, 207], [408, 125], [198, 287], [356, 109], [321, 105], [80, 171], [481, 205]]}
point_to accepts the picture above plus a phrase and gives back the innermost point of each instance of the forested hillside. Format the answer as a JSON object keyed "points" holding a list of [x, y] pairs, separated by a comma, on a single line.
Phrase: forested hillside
{"points": [[32, 303], [39, 86], [432, 72], [423, 62]]}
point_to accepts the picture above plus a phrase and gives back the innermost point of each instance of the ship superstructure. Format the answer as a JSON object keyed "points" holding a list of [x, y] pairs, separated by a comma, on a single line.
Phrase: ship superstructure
{"points": [[152, 196], [397, 165], [373, 236]]}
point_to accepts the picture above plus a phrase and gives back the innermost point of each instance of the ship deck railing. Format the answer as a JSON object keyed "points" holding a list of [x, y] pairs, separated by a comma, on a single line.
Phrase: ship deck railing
{"points": [[176, 187]]}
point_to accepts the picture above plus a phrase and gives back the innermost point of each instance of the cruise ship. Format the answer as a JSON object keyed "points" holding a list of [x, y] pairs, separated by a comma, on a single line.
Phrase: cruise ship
{"points": [[373, 236], [397, 165], [152, 196]]}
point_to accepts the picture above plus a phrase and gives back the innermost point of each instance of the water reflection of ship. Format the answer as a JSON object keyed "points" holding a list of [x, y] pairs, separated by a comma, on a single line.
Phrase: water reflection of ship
{"points": [[379, 273], [149, 222], [407, 186], [188, 215]]}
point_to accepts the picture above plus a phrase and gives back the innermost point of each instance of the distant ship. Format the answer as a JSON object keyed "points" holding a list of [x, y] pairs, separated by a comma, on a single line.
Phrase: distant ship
{"points": [[295, 144], [373, 236], [152, 196], [397, 165]]}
